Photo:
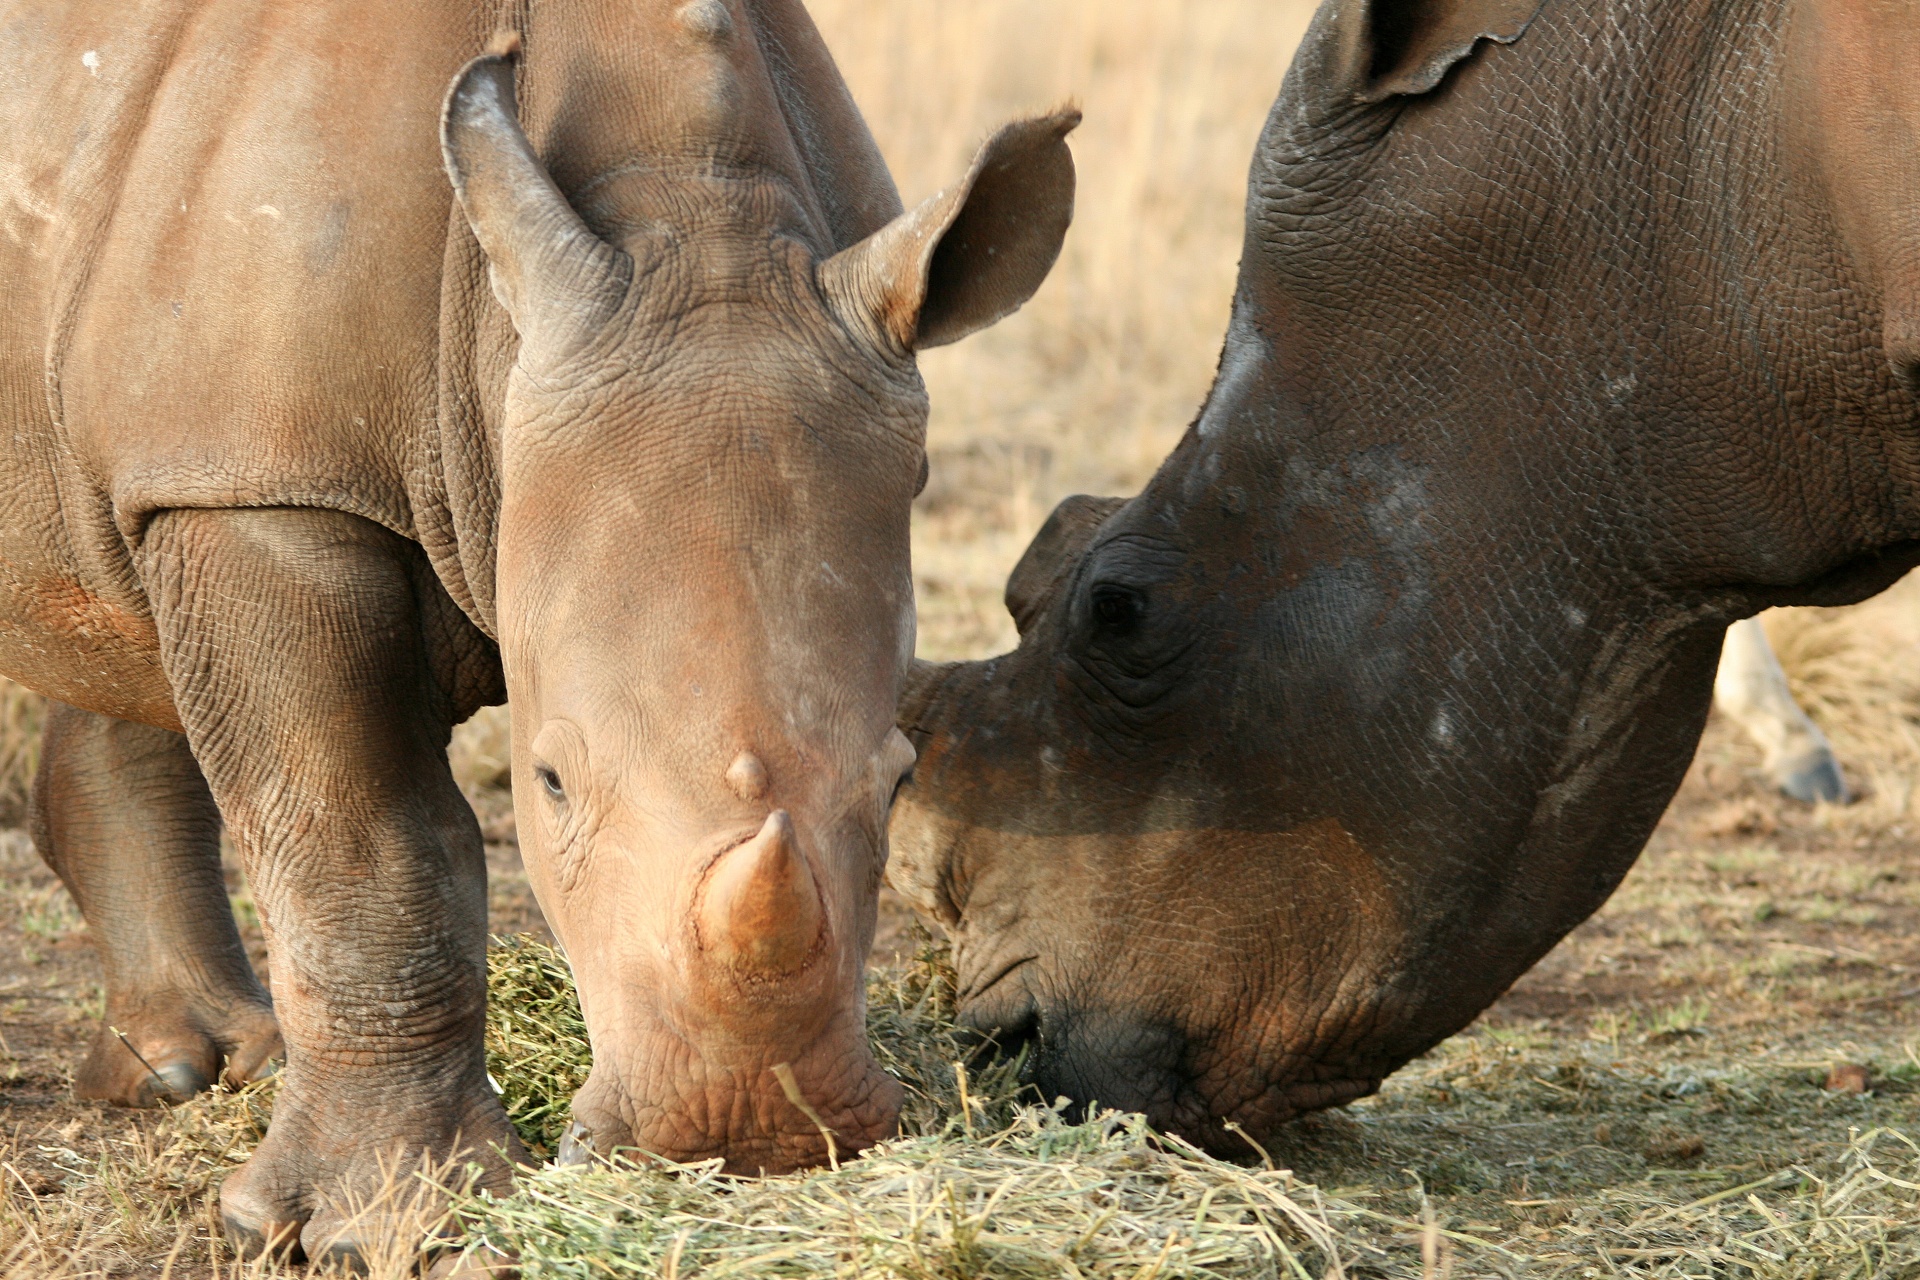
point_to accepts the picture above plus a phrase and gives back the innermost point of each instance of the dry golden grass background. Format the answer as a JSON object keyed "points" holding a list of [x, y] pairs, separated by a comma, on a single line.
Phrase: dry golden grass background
{"points": [[1659, 1056]]}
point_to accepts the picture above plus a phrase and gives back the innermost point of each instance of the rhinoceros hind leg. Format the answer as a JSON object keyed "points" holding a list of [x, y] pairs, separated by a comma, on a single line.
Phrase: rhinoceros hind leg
{"points": [[1751, 688], [1813, 776], [319, 668], [121, 812]]}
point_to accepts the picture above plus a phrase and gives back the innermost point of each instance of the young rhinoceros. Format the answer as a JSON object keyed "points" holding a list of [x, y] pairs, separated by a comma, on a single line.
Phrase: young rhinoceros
{"points": [[310, 460]]}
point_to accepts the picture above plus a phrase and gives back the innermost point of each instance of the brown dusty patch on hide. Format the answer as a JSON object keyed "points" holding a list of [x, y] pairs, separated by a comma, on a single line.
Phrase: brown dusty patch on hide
{"points": [[66, 607]]}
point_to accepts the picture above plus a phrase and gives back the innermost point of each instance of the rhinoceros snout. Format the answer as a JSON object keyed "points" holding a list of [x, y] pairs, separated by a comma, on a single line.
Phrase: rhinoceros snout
{"points": [[1215, 1088], [772, 1120]]}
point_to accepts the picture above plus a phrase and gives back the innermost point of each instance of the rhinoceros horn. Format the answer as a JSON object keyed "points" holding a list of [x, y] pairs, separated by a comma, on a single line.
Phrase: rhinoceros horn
{"points": [[558, 281], [761, 912]]}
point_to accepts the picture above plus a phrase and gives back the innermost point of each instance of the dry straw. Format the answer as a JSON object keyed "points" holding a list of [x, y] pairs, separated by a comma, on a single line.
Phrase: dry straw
{"points": [[1039, 1198], [978, 1186], [537, 1053], [983, 1186]]}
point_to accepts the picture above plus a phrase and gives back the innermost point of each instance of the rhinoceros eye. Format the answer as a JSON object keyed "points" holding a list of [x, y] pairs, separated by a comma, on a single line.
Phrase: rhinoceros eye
{"points": [[1117, 610], [550, 783]]}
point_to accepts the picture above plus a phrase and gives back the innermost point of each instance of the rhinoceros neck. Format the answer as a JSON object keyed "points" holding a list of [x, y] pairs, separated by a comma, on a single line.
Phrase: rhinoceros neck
{"points": [[1533, 384], [1595, 253]]}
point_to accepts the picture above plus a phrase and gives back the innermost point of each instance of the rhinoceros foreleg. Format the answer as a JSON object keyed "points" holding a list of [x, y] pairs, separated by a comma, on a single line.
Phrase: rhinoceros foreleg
{"points": [[121, 813], [309, 658]]}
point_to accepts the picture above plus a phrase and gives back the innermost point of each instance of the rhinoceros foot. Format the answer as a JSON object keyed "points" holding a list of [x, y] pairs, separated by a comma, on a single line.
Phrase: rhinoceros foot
{"points": [[1812, 775], [170, 1049], [335, 1179]]}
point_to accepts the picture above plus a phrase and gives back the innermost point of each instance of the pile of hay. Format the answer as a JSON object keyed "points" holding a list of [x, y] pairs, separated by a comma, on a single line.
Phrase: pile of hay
{"points": [[1043, 1199], [977, 1185], [537, 1053], [1038, 1198], [982, 1183]]}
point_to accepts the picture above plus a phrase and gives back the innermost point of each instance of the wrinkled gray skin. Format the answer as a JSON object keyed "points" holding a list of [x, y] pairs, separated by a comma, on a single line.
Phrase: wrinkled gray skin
{"points": [[1552, 353], [313, 453]]}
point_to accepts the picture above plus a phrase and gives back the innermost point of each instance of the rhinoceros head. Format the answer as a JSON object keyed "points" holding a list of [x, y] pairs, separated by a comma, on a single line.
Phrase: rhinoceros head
{"points": [[712, 435]]}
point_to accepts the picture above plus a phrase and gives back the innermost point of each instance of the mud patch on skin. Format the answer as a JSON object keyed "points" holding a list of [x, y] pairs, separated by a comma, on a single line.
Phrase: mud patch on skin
{"points": [[65, 607], [44, 623]]}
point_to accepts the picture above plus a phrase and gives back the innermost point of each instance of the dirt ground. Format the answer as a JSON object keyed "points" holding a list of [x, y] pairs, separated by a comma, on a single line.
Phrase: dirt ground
{"points": [[1688, 1032]]}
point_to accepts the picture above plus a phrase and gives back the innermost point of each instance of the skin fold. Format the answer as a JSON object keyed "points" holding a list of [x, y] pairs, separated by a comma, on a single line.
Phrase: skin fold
{"points": [[1565, 335], [344, 402]]}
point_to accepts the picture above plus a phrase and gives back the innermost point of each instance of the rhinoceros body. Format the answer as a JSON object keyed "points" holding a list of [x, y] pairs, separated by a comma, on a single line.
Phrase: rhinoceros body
{"points": [[224, 263]]}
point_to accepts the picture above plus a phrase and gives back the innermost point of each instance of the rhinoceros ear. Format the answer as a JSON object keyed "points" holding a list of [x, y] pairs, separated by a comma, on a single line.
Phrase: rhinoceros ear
{"points": [[558, 281], [971, 254], [1050, 557], [1375, 49]]}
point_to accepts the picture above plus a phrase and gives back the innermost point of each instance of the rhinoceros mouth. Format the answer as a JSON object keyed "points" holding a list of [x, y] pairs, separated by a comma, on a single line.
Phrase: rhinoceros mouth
{"points": [[1318, 1095], [976, 990], [1244, 1132]]}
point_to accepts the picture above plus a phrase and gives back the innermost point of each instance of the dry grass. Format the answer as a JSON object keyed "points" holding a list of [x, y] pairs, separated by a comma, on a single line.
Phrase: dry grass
{"points": [[1043, 1199], [1037, 1198], [537, 1050], [1507, 1152], [20, 713], [145, 1202], [1677, 1126], [143, 1191]]}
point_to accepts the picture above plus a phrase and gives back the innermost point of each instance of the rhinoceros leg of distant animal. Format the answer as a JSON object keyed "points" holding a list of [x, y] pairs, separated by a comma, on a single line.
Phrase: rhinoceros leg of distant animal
{"points": [[318, 668], [121, 812], [1752, 690]]}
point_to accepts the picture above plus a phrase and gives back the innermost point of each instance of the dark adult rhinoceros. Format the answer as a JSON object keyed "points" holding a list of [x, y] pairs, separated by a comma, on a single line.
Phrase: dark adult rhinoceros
{"points": [[1565, 334], [289, 487]]}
